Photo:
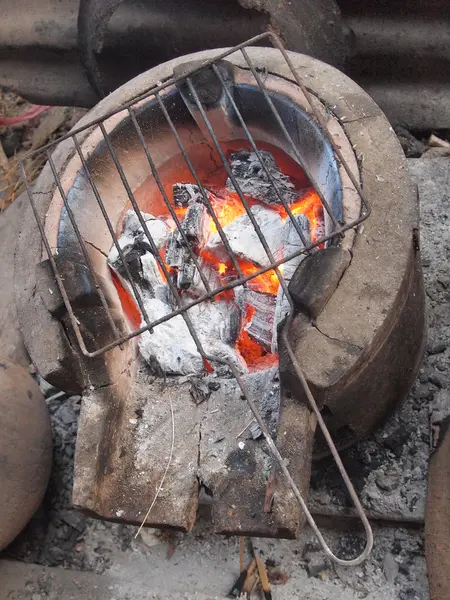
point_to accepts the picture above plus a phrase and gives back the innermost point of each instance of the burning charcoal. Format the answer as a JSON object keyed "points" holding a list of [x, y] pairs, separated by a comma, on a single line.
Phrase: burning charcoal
{"points": [[253, 180], [193, 224], [244, 240], [172, 347], [177, 251], [133, 234], [229, 328], [185, 194], [260, 327], [292, 243], [186, 273]]}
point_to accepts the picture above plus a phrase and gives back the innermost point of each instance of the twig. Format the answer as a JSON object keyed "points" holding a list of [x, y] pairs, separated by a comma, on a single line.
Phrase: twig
{"points": [[245, 428], [165, 472]]}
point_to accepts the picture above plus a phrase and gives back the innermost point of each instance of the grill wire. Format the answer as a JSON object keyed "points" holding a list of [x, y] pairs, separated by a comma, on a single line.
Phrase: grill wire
{"points": [[338, 230]]}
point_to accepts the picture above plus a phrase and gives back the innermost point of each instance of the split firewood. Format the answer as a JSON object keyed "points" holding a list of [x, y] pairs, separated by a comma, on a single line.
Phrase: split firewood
{"points": [[437, 142]]}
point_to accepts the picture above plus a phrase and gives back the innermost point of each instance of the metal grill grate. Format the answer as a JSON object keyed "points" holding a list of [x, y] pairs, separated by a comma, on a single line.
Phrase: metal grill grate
{"points": [[337, 229]]}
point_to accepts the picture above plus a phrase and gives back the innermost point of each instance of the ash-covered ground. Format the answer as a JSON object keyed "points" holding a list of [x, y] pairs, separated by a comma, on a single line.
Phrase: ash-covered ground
{"points": [[389, 470]]}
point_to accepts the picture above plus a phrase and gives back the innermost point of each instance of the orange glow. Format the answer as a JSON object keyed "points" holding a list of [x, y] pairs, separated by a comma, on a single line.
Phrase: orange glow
{"points": [[127, 301], [180, 211], [249, 350], [222, 268], [266, 283], [226, 208], [253, 354]]}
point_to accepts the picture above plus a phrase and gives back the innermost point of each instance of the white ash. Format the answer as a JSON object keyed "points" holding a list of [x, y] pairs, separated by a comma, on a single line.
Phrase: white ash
{"points": [[133, 232], [184, 194], [172, 347], [253, 180], [243, 238], [292, 242]]}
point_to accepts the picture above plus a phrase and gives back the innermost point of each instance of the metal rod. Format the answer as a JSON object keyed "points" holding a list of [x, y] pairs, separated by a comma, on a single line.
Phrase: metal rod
{"points": [[282, 464], [336, 457], [258, 154], [82, 246], [237, 187], [288, 137]]}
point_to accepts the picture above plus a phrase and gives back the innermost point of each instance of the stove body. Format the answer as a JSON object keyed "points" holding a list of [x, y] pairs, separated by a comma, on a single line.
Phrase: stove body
{"points": [[358, 330]]}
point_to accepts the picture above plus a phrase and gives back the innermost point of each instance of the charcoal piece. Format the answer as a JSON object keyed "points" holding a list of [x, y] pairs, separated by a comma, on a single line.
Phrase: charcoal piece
{"points": [[243, 237], [185, 194], [133, 235], [178, 254], [186, 273], [260, 327], [171, 345], [199, 390], [253, 180], [176, 251], [229, 328], [193, 224]]}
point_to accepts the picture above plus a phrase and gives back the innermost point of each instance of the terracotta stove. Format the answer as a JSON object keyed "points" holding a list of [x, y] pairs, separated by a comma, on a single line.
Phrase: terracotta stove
{"points": [[153, 180]]}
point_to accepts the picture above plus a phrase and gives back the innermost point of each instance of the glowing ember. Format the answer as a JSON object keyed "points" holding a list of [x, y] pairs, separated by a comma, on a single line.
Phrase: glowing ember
{"points": [[208, 246]]}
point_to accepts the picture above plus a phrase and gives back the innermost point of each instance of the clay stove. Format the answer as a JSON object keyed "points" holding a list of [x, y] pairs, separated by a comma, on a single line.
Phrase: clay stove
{"points": [[350, 314]]}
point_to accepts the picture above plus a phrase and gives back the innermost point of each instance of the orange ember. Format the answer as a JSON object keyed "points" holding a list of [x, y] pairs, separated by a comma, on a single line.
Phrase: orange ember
{"points": [[127, 301], [226, 208]]}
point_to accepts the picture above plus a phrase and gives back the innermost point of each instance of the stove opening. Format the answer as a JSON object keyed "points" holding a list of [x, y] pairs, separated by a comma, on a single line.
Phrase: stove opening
{"points": [[208, 243]]}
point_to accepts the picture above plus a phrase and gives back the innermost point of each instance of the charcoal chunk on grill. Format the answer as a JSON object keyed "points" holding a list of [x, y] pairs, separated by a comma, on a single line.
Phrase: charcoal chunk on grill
{"points": [[185, 194], [254, 181], [178, 255], [244, 240]]}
